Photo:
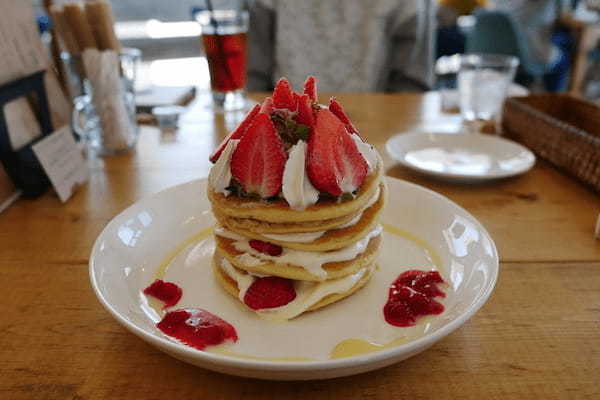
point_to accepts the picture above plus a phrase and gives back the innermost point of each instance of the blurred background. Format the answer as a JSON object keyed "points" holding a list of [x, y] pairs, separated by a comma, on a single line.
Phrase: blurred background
{"points": [[556, 41], [391, 45]]}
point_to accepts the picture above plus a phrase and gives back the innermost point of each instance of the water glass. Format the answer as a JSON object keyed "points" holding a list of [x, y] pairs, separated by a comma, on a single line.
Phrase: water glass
{"points": [[483, 82], [224, 38]]}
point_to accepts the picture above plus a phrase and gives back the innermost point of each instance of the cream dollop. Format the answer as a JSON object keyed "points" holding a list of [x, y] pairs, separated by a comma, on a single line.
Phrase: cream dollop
{"points": [[219, 176], [368, 152], [297, 189]]}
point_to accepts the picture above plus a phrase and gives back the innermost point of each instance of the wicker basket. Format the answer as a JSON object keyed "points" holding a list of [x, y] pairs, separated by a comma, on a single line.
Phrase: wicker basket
{"points": [[560, 128]]}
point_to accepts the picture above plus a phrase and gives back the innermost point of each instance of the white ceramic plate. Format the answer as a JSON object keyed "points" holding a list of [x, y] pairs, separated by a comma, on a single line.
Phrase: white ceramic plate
{"points": [[424, 230], [462, 156]]}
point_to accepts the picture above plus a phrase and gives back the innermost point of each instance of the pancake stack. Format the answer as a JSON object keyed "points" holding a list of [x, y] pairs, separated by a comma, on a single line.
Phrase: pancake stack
{"points": [[295, 240]]}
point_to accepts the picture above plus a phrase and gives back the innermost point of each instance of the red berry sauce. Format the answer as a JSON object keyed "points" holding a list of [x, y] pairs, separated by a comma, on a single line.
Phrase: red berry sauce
{"points": [[411, 296], [197, 328], [167, 292]]}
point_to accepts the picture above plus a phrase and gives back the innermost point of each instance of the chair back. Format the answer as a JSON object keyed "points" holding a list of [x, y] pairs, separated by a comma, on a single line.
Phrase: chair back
{"points": [[495, 32]]}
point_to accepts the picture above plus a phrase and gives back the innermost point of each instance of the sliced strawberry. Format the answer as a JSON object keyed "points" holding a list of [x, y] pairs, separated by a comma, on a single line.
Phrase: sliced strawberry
{"points": [[266, 247], [259, 158], [283, 96], [305, 111], [267, 106], [269, 292], [237, 133], [336, 108], [334, 164], [310, 88]]}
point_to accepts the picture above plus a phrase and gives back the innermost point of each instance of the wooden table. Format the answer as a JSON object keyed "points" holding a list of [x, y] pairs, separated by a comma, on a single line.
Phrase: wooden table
{"points": [[537, 337]]}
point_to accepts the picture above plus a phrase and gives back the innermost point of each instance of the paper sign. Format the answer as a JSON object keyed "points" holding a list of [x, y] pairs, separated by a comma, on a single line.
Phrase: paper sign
{"points": [[62, 161]]}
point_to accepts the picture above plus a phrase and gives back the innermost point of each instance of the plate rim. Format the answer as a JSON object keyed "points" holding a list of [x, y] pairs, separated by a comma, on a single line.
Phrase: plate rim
{"points": [[452, 175], [295, 366]]}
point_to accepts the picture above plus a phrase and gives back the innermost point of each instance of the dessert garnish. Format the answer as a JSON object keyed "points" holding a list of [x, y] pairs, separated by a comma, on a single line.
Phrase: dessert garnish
{"points": [[412, 295], [269, 292], [310, 88], [167, 292], [338, 111], [335, 158], [197, 328], [334, 164], [236, 134], [259, 159]]}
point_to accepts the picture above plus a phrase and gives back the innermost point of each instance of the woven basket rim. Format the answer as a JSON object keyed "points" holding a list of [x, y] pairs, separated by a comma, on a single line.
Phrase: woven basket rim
{"points": [[515, 102]]}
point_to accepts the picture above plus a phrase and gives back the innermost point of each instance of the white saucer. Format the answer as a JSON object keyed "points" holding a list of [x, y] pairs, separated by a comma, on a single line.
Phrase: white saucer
{"points": [[460, 157], [170, 234]]}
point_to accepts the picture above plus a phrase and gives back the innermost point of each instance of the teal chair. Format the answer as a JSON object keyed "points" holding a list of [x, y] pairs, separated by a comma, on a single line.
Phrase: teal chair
{"points": [[496, 32]]}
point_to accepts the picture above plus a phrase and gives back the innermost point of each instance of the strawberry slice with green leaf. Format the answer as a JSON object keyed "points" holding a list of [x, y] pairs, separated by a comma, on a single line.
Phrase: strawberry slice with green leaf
{"points": [[283, 96], [338, 111], [310, 88], [334, 164], [236, 134], [259, 159], [269, 292]]}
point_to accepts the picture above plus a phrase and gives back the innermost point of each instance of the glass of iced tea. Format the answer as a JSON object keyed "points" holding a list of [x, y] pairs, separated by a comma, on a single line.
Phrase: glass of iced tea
{"points": [[224, 39]]}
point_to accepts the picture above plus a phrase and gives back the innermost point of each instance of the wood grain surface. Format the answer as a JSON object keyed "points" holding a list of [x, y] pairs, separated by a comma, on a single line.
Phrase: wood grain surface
{"points": [[537, 337]]}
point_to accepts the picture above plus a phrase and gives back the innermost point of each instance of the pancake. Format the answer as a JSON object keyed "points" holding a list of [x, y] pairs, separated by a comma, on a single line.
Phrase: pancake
{"points": [[230, 286], [331, 239], [278, 211], [254, 225], [332, 270]]}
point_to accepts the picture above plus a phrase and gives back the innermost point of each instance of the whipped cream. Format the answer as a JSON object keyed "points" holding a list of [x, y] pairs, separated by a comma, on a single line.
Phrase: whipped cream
{"points": [[297, 189], [303, 237], [244, 281], [309, 260], [368, 152], [307, 237], [307, 293], [220, 173]]}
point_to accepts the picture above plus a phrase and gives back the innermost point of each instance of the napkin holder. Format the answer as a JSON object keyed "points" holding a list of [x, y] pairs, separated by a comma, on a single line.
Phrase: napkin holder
{"points": [[22, 165]]}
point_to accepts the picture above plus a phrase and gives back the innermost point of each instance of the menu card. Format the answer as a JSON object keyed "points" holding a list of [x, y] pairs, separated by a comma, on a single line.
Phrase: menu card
{"points": [[62, 161]]}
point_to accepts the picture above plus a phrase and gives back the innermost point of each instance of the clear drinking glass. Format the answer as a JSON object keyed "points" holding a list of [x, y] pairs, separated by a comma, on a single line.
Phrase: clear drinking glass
{"points": [[483, 82], [224, 38]]}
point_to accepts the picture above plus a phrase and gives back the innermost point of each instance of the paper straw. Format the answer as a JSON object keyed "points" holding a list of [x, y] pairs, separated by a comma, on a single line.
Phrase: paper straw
{"points": [[100, 17], [80, 27]]}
